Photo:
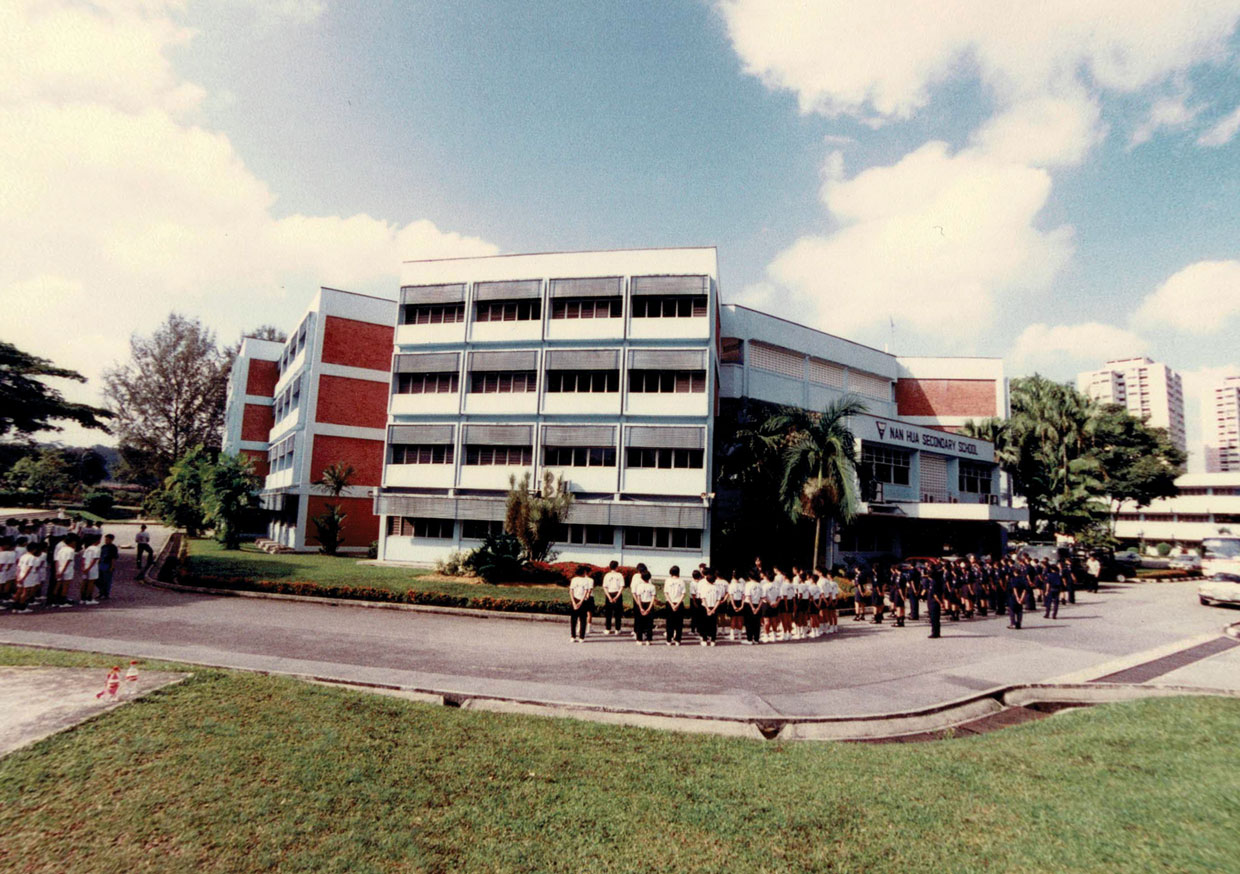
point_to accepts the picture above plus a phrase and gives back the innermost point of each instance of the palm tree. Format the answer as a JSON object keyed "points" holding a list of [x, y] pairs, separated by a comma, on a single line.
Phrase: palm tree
{"points": [[336, 478], [818, 452]]}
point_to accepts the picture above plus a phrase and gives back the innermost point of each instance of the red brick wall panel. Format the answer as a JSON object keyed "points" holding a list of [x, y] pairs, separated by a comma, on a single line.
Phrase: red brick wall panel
{"points": [[358, 403], [366, 456], [256, 422], [946, 397], [259, 459], [357, 344], [261, 378], [360, 528]]}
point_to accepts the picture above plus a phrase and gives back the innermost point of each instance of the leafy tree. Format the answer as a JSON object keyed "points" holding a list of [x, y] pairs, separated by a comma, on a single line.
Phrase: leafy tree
{"points": [[230, 490], [268, 332], [180, 502], [170, 396], [27, 404], [534, 516], [43, 474], [89, 467], [1136, 463], [99, 503], [330, 523]]}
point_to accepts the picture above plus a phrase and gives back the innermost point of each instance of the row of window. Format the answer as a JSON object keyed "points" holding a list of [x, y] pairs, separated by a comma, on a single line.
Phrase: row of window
{"points": [[553, 456], [644, 307], [599, 535], [558, 381], [289, 399], [975, 479], [882, 465], [295, 344]]}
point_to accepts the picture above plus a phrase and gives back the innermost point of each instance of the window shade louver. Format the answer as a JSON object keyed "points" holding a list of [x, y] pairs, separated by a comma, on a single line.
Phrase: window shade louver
{"points": [[499, 435], [667, 359], [420, 506], [430, 294], [656, 516], [665, 437], [430, 435], [523, 359], [578, 435], [670, 284], [516, 289], [602, 286], [583, 359], [427, 362]]}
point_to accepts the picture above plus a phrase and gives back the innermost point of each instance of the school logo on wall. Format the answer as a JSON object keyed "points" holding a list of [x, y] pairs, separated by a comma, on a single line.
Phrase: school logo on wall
{"points": [[882, 429]]}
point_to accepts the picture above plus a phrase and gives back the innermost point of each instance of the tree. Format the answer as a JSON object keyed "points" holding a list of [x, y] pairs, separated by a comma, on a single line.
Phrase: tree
{"points": [[170, 396], [534, 516], [818, 459], [1136, 463], [330, 524], [43, 474], [230, 490], [268, 332], [88, 466], [28, 405], [180, 501]]}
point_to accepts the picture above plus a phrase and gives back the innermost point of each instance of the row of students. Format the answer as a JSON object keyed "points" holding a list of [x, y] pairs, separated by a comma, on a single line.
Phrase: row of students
{"points": [[33, 572], [758, 607]]}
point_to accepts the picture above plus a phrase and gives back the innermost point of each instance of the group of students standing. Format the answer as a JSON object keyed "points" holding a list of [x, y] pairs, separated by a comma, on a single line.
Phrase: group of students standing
{"points": [[768, 606], [759, 607], [40, 561]]}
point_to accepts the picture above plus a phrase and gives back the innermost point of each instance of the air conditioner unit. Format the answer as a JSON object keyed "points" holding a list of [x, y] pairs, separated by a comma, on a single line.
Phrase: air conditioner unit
{"points": [[993, 500]]}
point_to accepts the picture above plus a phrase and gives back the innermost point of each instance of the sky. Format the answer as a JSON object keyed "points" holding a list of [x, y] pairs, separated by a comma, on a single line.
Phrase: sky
{"points": [[1053, 183]]}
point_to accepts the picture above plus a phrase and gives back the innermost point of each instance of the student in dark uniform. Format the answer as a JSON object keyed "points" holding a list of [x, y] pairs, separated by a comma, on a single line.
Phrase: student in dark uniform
{"points": [[1053, 579], [895, 595], [859, 594], [977, 576], [1069, 579], [935, 593], [1018, 582], [912, 590], [877, 583]]}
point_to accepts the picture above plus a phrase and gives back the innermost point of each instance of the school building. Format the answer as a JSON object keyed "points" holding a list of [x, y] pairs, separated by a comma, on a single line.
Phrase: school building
{"points": [[1205, 505]]}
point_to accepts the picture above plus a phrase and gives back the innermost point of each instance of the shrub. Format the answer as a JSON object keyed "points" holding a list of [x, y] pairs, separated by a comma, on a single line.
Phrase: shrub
{"points": [[1163, 549], [454, 564], [562, 572], [498, 559], [372, 551]]}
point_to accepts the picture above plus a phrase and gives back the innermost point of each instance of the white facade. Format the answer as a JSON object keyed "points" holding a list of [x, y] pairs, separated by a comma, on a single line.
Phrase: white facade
{"points": [[1220, 421], [1149, 390], [594, 366], [1206, 505]]}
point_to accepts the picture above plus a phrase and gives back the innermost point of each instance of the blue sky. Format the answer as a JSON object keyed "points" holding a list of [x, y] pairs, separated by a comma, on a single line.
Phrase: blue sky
{"points": [[1053, 185]]}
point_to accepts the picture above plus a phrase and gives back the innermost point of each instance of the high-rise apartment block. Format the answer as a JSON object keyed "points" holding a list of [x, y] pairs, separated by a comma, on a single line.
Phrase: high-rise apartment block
{"points": [[1220, 420], [1149, 390]]}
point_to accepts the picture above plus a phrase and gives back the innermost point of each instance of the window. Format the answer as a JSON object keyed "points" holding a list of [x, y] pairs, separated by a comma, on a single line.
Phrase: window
{"points": [[595, 535], [426, 383], [405, 526], [579, 456], [502, 381], [408, 453], [975, 478], [776, 360], [481, 529], [665, 458], [498, 455], [667, 381], [586, 308], [731, 350], [432, 314], [669, 306], [663, 538], [583, 380], [508, 310], [885, 465]]}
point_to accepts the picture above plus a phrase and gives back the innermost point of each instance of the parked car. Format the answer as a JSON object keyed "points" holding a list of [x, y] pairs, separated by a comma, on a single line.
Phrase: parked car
{"points": [[1117, 567], [1129, 555], [1222, 589], [1188, 562]]}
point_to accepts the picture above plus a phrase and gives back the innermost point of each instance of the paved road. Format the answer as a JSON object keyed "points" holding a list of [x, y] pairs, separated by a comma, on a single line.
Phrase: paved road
{"points": [[865, 669]]}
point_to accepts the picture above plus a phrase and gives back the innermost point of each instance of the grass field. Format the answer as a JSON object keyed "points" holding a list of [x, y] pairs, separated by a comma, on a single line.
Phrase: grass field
{"points": [[210, 558], [243, 773]]}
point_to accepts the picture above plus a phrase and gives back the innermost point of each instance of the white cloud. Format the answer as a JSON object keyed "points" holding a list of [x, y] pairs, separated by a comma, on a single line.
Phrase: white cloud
{"points": [[1063, 350], [1044, 131], [1221, 133], [117, 208], [1202, 298], [1166, 112], [886, 57]]}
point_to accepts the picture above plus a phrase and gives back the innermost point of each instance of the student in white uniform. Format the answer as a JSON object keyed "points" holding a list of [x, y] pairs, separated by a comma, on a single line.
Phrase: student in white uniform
{"points": [[644, 601], [30, 568], [65, 571], [8, 569], [753, 610], [674, 613], [736, 608], [770, 609], [613, 599], [580, 589], [633, 581], [788, 599], [90, 571], [831, 597], [814, 612], [708, 623]]}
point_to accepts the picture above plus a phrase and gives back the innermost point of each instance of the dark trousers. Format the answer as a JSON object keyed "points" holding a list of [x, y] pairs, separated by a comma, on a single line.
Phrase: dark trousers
{"points": [[914, 604], [996, 600], [708, 625], [1017, 608], [1071, 589], [613, 610], [753, 624], [675, 623], [1052, 604], [932, 609], [105, 582], [145, 549], [643, 625], [577, 624]]}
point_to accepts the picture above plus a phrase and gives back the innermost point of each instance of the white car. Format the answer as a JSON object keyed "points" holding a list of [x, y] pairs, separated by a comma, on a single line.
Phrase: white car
{"points": [[1185, 563], [1222, 589]]}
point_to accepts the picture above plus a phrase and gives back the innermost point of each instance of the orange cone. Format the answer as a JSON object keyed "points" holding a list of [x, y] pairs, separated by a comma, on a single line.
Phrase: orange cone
{"points": [[113, 683]]}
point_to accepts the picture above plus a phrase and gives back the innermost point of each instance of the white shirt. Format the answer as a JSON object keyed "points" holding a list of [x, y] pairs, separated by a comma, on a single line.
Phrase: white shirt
{"points": [[66, 567], [142, 537], [710, 596], [674, 590], [736, 590], [830, 587], [30, 568], [770, 592], [787, 590], [580, 587], [700, 587], [91, 554], [721, 589], [613, 582], [643, 591], [8, 566]]}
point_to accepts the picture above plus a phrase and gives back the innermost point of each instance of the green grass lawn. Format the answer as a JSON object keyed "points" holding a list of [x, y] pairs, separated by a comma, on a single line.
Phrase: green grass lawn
{"points": [[234, 773], [208, 557]]}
